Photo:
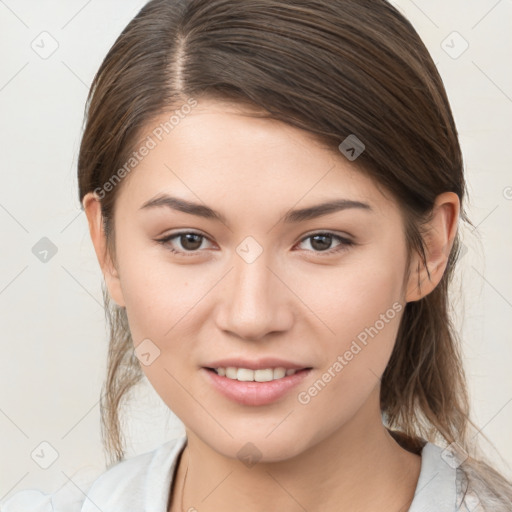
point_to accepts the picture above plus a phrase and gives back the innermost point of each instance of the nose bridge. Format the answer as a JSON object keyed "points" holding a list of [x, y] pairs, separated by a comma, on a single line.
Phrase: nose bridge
{"points": [[253, 299]]}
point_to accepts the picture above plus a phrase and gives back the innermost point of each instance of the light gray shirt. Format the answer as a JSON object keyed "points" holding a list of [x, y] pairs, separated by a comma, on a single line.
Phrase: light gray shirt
{"points": [[142, 484]]}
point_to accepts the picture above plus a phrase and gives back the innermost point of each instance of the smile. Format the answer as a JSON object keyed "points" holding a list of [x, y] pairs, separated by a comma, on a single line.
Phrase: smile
{"points": [[248, 375], [262, 386]]}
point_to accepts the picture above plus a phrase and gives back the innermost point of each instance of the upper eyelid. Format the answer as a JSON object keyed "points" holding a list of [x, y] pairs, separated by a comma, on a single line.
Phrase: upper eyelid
{"points": [[343, 237]]}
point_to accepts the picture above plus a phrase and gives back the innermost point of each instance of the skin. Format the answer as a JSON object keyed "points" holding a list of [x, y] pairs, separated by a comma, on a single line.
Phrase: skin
{"points": [[293, 302]]}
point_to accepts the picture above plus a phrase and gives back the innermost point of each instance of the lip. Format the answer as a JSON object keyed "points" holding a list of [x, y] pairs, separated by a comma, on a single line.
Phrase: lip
{"points": [[254, 393], [258, 364]]}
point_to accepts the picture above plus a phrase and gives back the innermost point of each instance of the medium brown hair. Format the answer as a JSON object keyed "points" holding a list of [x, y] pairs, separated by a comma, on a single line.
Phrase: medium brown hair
{"points": [[333, 68]]}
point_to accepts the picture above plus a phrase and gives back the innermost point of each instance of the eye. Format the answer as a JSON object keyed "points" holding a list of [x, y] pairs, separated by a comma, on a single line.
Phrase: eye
{"points": [[321, 243], [189, 241]]}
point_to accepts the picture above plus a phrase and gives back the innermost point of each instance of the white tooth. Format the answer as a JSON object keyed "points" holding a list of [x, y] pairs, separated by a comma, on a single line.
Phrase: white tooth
{"points": [[231, 372], [244, 374], [265, 375], [279, 373], [248, 375]]}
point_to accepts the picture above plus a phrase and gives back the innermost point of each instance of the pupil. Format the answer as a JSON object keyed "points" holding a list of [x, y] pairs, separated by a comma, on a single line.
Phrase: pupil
{"points": [[191, 238], [322, 245]]}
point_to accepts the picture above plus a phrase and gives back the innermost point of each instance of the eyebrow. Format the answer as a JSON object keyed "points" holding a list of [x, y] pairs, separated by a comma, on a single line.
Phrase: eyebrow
{"points": [[293, 216]]}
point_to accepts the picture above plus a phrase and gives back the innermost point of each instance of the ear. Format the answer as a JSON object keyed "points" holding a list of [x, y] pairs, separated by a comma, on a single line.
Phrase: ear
{"points": [[92, 208], [438, 240]]}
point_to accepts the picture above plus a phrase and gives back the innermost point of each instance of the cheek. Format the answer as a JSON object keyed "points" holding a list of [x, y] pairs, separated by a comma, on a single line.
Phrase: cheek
{"points": [[360, 306], [353, 295], [157, 293]]}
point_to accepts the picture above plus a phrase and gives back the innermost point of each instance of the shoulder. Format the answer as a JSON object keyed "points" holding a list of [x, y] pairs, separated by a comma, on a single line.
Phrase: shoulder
{"points": [[480, 489], [140, 482], [436, 486], [451, 482]]}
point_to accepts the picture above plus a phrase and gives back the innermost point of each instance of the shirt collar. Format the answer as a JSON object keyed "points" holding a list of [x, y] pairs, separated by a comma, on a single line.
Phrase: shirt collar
{"points": [[138, 483], [436, 488], [119, 488]]}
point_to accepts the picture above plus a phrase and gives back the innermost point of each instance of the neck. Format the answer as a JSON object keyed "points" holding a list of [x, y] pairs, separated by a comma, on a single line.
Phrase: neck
{"points": [[357, 466]]}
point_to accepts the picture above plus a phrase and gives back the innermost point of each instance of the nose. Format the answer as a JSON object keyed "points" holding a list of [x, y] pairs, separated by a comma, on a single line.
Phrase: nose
{"points": [[255, 300]]}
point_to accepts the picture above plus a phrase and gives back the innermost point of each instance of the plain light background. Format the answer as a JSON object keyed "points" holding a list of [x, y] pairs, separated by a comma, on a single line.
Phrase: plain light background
{"points": [[54, 339]]}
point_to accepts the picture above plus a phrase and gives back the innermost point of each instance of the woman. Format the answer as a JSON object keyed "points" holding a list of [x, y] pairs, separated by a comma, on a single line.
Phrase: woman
{"points": [[273, 191]]}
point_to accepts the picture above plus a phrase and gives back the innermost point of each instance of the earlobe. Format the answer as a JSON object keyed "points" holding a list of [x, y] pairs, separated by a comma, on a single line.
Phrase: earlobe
{"points": [[92, 208], [438, 240]]}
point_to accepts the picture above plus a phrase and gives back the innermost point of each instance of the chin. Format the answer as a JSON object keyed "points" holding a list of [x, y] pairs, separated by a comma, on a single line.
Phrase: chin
{"points": [[252, 446]]}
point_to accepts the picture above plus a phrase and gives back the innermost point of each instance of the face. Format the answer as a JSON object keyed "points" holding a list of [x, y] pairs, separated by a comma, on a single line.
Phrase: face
{"points": [[225, 260]]}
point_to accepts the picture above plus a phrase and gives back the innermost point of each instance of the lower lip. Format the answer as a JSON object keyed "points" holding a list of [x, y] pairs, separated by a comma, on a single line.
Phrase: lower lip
{"points": [[255, 393]]}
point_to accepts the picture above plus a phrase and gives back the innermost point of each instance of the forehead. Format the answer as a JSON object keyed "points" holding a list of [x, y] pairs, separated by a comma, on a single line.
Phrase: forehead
{"points": [[219, 152]]}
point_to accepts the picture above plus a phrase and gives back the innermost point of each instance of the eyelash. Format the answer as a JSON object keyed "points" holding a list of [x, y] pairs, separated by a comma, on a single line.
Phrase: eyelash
{"points": [[345, 243]]}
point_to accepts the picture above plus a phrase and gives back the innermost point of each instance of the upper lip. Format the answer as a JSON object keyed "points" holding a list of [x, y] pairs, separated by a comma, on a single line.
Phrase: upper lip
{"points": [[256, 364]]}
